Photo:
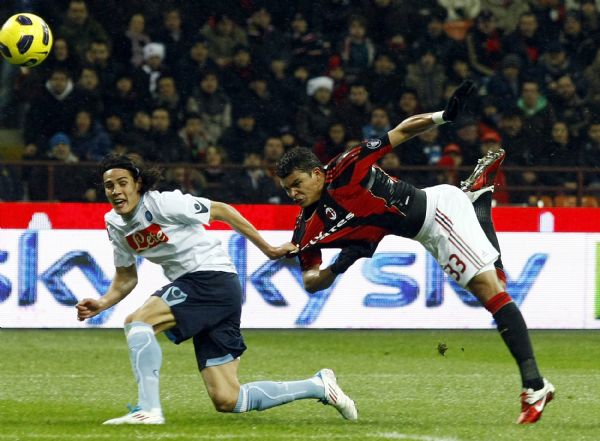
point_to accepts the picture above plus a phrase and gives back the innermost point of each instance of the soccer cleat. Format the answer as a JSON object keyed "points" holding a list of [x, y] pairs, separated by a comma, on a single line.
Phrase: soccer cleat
{"points": [[336, 397], [533, 403], [138, 416], [485, 171]]}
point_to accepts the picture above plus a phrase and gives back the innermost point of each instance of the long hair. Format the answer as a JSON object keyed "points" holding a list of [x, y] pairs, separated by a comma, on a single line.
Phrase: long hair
{"points": [[150, 175], [298, 158]]}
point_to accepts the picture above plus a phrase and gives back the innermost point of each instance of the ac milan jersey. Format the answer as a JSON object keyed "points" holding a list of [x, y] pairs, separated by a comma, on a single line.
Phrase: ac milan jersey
{"points": [[167, 228], [359, 203]]}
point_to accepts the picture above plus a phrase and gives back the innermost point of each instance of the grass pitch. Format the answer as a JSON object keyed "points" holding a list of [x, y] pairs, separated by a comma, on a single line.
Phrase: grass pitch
{"points": [[61, 385]]}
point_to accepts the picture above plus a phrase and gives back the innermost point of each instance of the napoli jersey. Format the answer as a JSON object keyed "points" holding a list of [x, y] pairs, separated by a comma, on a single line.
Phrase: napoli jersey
{"points": [[360, 203], [167, 228]]}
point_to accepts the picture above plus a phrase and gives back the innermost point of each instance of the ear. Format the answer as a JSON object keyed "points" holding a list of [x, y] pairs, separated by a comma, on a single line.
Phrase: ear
{"points": [[138, 185]]}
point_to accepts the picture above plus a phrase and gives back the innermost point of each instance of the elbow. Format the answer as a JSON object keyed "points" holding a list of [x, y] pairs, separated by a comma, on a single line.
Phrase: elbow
{"points": [[311, 287]]}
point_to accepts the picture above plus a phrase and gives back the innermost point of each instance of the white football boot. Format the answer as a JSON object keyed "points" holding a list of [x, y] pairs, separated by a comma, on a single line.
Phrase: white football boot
{"points": [[139, 416], [335, 396]]}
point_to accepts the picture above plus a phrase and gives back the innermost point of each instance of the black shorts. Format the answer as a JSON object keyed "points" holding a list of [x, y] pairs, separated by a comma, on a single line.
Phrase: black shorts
{"points": [[207, 306]]}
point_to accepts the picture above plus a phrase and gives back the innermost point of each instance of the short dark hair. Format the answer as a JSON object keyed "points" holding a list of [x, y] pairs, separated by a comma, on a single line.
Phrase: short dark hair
{"points": [[150, 175], [297, 158]]}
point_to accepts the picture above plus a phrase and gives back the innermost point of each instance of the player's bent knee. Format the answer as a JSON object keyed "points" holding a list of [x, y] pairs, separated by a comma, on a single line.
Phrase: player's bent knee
{"points": [[224, 402]]}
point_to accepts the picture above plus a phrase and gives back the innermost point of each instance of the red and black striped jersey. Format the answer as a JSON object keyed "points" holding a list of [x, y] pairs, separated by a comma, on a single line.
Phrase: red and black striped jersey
{"points": [[359, 203]]}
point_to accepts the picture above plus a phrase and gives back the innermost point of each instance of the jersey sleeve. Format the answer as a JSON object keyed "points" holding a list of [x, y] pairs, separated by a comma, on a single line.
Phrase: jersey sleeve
{"points": [[177, 207], [352, 166], [122, 256]]}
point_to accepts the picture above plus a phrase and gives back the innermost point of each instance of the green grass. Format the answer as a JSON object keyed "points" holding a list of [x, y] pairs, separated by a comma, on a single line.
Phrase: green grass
{"points": [[61, 385]]}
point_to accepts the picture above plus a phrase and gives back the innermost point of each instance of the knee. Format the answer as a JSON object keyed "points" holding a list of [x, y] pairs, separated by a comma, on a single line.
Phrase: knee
{"points": [[224, 401]]}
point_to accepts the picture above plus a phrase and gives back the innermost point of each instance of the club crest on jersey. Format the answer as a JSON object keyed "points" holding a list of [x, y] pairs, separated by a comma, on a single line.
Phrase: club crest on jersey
{"points": [[147, 238], [330, 213], [373, 144], [148, 216]]}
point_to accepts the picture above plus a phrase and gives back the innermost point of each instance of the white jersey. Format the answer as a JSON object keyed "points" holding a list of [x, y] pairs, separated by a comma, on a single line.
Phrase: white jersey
{"points": [[167, 228]]}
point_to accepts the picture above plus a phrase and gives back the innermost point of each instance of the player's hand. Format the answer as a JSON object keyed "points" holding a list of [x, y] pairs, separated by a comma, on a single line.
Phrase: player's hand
{"points": [[88, 308], [287, 249], [458, 99], [351, 254]]}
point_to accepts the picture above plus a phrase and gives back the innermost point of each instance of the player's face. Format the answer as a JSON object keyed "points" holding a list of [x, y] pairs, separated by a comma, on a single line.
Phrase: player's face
{"points": [[304, 188], [122, 190]]}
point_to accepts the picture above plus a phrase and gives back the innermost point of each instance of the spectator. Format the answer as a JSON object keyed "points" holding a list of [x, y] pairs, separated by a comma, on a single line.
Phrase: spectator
{"points": [[61, 56], [561, 152], [356, 110], [215, 173], [263, 37], [379, 124], [244, 136], [307, 46], [514, 140], [100, 57], [186, 180], [435, 38], [383, 80], [272, 152], [90, 90], [166, 146], [390, 23], [68, 183], [578, 44], [145, 78], [53, 111], [590, 156], [128, 48], [467, 139], [332, 144], [390, 163], [356, 49], [191, 67], [526, 41], [194, 137], [484, 44], [212, 103], [507, 13], [168, 97], [505, 85], [590, 17], [314, 118], [79, 29], [271, 112], [427, 78], [251, 184], [539, 114], [223, 37], [570, 107], [90, 142], [554, 64], [591, 75], [238, 74], [123, 98], [406, 105], [172, 34]]}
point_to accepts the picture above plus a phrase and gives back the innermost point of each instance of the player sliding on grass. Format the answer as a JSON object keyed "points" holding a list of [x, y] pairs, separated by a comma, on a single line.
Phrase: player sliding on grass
{"points": [[202, 302], [352, 204]]}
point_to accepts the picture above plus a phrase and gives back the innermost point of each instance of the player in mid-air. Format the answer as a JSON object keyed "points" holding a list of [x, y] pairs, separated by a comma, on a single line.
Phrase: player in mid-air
{"points": [[202, 302], [352, 204]]}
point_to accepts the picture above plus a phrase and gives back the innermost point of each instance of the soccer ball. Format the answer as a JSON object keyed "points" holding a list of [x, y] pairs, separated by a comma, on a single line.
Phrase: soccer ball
{"points": [[25, 40]]}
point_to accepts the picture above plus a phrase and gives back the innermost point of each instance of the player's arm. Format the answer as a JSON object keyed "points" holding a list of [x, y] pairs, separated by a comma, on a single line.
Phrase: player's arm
{"points": [[123, 282], [226, 213], [316, 279], [417, 124]]}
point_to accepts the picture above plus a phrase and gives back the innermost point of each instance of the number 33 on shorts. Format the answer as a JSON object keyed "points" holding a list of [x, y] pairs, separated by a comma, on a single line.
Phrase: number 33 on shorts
{"points": [[455, 267]]}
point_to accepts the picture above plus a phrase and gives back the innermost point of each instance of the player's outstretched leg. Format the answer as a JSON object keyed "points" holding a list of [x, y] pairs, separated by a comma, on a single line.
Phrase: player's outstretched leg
{"points": [[479, 186], [261, 395], [146, 358]]}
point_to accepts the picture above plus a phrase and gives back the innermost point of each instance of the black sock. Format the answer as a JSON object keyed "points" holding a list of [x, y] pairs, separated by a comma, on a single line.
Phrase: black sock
{"points": [[483, 210], [513, 331]]}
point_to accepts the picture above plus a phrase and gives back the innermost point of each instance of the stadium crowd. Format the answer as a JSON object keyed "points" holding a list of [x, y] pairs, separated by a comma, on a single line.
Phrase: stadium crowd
{"points": [[241, 81]]}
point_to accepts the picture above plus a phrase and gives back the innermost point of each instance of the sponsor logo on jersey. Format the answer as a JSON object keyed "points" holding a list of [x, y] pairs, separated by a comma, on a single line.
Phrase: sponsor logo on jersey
{"points": [[330, 213], [373, 143], [323, 234], [200, 208], [148, 216], [147, 238]]}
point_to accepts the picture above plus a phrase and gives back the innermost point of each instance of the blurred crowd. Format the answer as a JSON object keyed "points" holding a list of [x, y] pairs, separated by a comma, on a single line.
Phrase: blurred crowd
{"points": [[215, 83]]}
